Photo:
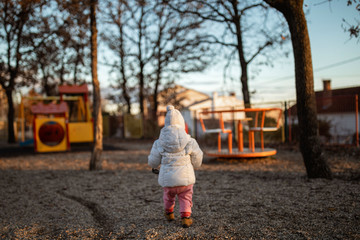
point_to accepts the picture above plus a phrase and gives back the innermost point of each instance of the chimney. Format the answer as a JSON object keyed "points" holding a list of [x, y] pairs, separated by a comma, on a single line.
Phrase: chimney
{"points": [[327, 94], [327, 84]]}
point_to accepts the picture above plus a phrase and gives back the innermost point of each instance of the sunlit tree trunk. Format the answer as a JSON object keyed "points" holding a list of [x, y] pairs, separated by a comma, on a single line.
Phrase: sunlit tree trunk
{"points": [[310, 145], [95, 161]]}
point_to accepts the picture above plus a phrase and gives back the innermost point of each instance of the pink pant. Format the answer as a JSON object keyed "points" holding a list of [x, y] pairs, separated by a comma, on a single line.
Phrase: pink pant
{"points": [[184, 194]]}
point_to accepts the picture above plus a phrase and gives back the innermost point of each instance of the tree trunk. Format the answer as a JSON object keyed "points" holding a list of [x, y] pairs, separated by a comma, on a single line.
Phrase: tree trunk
{"points": [[75, 73], [11, 116], [122, 71], [95, 161], [245, 87], [310, 145], [157, 83], [242, 60], [141, 61], [156, 103], [125, 93], [124, 82], [62, 72], [141, 88]]}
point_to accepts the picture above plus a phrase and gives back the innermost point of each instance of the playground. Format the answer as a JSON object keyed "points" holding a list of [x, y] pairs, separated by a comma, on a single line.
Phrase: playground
{"points": [[54, 196]]}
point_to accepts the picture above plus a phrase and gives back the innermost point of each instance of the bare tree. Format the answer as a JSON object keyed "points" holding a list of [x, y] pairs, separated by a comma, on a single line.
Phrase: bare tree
{"points": [[247, 31], [18, 39], [310, 146], [179, 46], [155, 42], [118, 14], [47, 61], [95, 161], [61, 55], [352, 28], [139, 25], [73, 40]]}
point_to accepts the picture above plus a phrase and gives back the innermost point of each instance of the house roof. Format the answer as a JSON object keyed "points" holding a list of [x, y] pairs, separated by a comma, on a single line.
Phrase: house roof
{"points": [[217, 102], [334, 101], [341, 92], [195, 100], [180, 95]]}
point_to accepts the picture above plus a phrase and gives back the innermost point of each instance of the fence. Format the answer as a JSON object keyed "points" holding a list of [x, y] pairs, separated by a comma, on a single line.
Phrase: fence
{"points": [[338, 118]]}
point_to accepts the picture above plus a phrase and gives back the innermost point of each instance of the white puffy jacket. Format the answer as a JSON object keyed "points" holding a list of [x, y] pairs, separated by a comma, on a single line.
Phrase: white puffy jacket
{"points": [[176, 151]]}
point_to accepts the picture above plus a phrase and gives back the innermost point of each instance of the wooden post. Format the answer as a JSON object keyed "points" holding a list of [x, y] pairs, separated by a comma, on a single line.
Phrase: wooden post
{"points": [[357, 119]]}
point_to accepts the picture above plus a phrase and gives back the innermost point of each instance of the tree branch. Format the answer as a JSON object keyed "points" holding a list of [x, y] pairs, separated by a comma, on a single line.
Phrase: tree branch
{"points": [[260, 49]]}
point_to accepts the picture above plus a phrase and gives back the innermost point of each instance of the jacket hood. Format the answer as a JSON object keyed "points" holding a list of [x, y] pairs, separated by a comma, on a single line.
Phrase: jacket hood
{"points": [[174, 117], [173, 137]]}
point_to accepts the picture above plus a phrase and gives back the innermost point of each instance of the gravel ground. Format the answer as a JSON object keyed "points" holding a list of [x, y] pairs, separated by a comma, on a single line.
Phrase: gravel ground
{"points": [[53, 196]]}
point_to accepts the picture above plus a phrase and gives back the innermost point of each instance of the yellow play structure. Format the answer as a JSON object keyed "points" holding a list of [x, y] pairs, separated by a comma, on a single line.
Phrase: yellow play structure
{"points": [[59, 121]]}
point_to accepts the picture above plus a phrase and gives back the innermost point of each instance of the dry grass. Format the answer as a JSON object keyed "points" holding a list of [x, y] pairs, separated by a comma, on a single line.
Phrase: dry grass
{"points": [[53, 196]]}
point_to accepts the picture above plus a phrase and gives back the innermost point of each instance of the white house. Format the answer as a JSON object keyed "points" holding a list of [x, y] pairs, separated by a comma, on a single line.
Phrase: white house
{"points": [[338, 108], [190, 102]]}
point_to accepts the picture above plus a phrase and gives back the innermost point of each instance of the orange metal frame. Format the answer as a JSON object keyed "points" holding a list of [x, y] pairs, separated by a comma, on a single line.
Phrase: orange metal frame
{"points": [[262, 127], [219, 131], [259, 126]]}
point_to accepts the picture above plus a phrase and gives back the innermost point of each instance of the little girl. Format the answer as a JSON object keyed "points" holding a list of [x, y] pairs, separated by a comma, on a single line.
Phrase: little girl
{"points": [[178, 155]]}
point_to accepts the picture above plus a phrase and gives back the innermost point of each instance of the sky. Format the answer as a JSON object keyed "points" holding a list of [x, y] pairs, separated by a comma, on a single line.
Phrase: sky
{"points": [[334, 55]]}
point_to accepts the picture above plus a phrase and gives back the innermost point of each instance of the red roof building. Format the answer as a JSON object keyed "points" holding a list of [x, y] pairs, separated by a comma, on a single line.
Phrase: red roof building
{"points": [[336, 107], [333, 100], [336, 100]]}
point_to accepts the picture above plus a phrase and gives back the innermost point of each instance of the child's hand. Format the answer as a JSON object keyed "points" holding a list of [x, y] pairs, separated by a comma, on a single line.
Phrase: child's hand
{"points": [[154, 170]]}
